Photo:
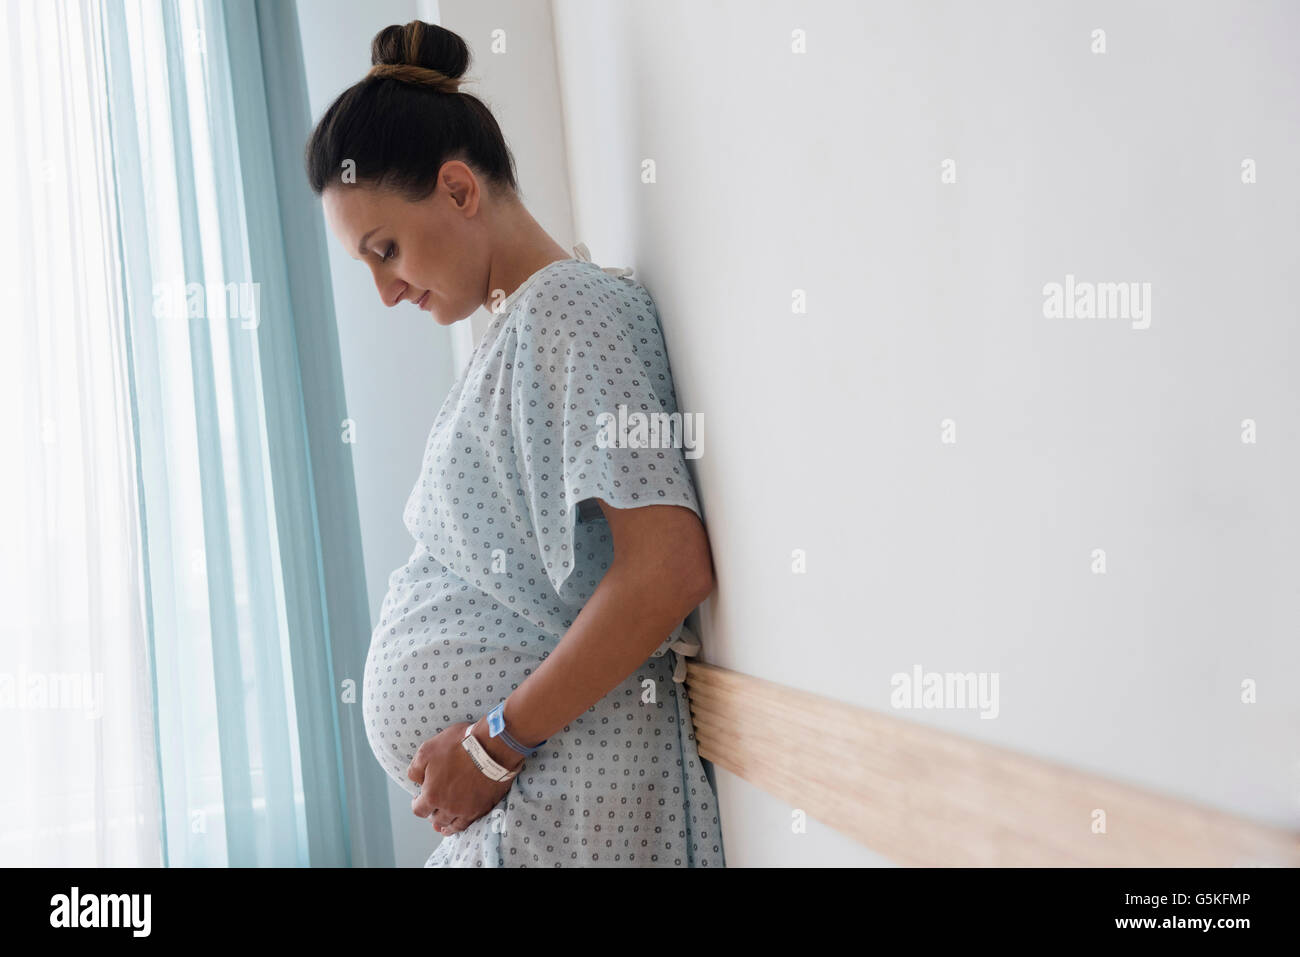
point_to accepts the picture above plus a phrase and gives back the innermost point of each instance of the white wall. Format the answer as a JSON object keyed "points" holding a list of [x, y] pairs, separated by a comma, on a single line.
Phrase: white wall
{"points": [[821, 172]]}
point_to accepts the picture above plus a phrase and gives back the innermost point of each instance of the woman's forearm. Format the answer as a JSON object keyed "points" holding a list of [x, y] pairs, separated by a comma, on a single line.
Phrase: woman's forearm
{"points": [[627, 617], [644, 594]]}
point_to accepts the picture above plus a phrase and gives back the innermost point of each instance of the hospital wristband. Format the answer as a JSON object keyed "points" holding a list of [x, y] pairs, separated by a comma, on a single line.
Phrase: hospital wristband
{"points": [[484, 761], [496, 721]]}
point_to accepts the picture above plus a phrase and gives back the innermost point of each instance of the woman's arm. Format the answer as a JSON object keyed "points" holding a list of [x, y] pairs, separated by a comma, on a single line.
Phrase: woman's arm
{"points": [[661, 570]]}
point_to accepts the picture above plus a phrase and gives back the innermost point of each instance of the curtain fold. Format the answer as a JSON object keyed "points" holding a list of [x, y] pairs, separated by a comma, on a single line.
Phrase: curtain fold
{"points": [[322, 411], [255, 586]]}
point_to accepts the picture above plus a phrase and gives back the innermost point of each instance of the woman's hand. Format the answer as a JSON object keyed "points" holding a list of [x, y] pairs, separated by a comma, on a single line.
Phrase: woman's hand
{"points": [[453, 791]]}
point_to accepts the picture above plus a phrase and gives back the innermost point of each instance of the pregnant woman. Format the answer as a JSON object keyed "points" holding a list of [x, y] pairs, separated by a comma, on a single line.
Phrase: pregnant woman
{"points": [[521, 682]]}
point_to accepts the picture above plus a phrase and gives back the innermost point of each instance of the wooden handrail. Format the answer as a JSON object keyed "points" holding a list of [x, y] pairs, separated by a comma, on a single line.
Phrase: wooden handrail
{"points": [[925, 797]]}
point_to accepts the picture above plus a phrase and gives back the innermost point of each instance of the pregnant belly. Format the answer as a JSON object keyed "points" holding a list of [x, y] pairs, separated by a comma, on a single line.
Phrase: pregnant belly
{"points": [[443, 653]]}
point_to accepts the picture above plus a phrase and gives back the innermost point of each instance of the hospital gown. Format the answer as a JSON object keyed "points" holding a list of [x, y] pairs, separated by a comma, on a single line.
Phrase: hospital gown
{"points": [[508, 548]]}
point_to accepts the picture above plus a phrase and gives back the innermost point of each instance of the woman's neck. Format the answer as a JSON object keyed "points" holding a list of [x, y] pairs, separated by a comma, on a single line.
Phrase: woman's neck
{"points": [[525, 248]]}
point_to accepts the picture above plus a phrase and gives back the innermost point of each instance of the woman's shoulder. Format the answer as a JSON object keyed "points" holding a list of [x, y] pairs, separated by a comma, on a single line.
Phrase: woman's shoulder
{"points": [[573, 300]]}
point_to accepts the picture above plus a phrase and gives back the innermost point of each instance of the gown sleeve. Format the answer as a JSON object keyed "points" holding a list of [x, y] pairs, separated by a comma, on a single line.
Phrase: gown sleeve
{"points": [[577, 360]]}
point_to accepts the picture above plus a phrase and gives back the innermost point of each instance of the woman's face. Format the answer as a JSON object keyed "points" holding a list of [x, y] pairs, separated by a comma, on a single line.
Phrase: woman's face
{"points": [[436, 248]]}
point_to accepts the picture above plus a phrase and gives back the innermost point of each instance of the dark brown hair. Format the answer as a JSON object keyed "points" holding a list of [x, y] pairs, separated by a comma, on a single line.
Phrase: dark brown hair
{"points": [[402, 121]]}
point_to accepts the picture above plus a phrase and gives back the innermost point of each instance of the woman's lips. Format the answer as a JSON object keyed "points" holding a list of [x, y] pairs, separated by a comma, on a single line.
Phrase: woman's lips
{"points": [[419, 303]]}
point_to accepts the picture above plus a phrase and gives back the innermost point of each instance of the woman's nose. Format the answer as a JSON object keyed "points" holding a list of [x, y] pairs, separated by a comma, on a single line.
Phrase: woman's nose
{"points": [[391, 291]]}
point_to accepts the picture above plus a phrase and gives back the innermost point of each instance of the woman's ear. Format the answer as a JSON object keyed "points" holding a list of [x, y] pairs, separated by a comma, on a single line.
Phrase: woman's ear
{"points": [[461, 186]]}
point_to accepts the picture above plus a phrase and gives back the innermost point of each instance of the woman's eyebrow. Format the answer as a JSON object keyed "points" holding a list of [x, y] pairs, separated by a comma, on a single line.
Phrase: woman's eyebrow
{"points": [[361, 246]]}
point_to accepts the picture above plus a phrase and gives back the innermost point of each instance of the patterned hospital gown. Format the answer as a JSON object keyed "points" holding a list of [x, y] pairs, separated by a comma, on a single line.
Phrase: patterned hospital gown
{"points": [[506, 555]]}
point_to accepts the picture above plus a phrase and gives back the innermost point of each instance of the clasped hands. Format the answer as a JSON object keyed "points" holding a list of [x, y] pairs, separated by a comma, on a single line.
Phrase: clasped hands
{"points": [[454, 793]]}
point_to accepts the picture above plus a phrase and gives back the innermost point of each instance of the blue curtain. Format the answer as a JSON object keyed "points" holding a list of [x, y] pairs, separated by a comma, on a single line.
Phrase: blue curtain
{"points": [[259, 620]]}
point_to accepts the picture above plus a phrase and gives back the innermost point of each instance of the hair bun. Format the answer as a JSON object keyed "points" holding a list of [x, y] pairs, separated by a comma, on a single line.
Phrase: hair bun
{"points": [[421, 54]]}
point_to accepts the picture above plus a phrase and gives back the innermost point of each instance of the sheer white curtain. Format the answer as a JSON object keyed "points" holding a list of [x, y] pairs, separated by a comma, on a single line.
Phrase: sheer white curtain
{"points": [[78, 764]]}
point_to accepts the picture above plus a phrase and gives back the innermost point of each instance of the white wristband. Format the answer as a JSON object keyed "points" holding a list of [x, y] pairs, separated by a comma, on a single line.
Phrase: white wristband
{"points": [[484, 761]]}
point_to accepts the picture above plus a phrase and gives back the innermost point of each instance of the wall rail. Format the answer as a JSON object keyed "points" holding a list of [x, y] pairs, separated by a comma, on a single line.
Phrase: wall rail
{"points": [[925, 797]]}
